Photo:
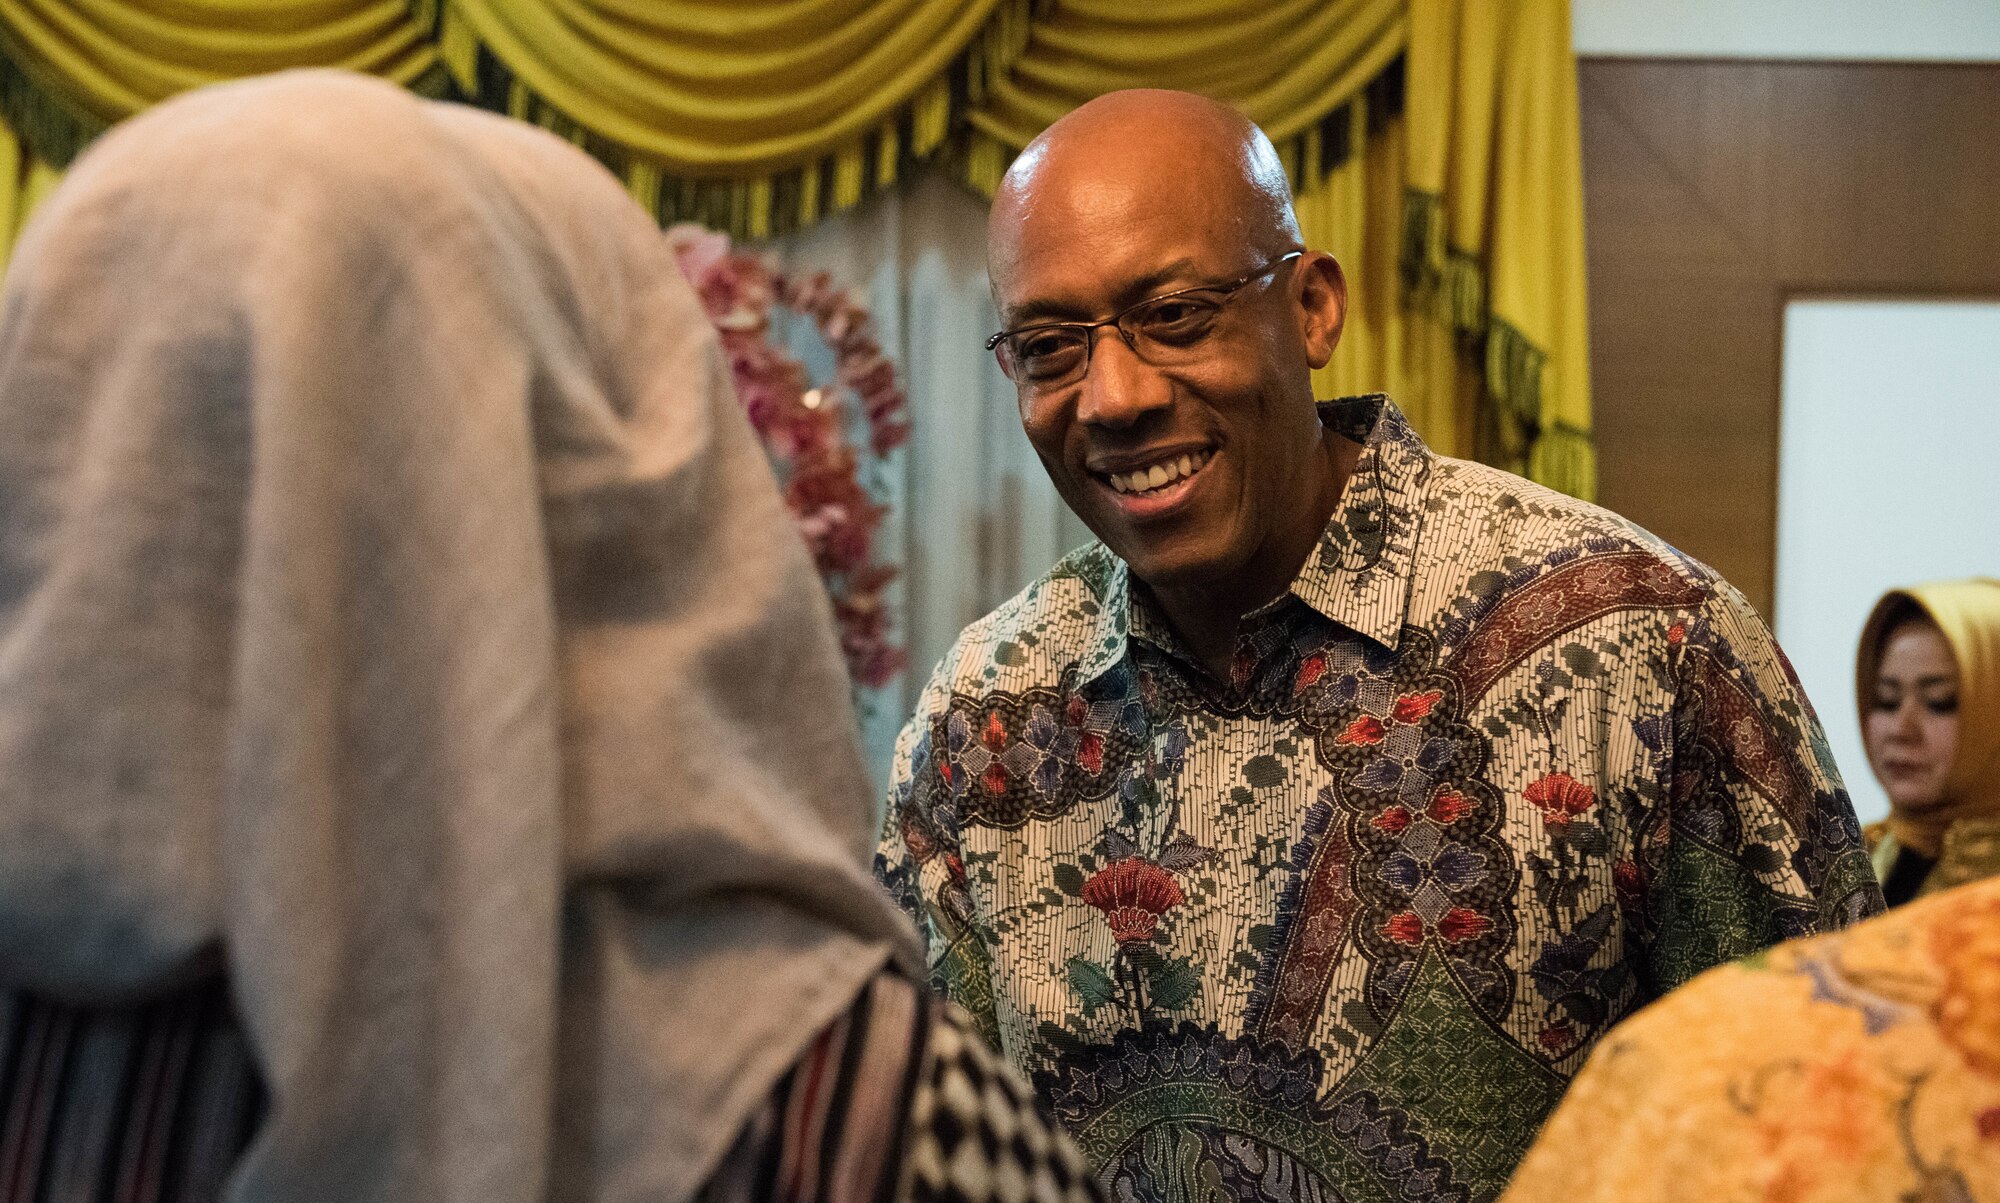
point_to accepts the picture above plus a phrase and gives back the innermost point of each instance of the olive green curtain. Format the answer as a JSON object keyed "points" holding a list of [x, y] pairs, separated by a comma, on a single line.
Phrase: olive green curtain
{"points": [[1433, 143]]}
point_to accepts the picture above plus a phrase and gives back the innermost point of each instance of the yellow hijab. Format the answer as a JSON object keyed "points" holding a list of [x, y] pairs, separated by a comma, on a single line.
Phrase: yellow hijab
{"points": [[1968, 614]]}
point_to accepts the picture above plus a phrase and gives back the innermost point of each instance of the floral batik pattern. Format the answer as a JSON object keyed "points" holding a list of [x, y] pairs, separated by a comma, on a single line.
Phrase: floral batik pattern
{"points": [[1858, 1066], [1497, 769]]}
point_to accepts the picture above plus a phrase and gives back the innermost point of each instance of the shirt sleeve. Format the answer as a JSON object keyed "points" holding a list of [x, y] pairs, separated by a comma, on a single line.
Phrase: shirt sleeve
{"points": [[904, 857], [1758, 842], [900, 1101], [922, 863]]}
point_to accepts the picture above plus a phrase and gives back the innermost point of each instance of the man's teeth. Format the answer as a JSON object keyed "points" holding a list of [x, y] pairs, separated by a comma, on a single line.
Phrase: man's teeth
{"points": [[1145, 480]]}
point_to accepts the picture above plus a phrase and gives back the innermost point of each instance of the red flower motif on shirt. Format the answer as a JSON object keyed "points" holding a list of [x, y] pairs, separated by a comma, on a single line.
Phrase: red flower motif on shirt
{"points": [[1365, 731], [1412, 707], [1560, 797], [1455, 926], [1133, 893], [915, 838], [1394, 820], [1406, 928], [995, 734], [1311, 671], [1628, 882], [1677, 632], [1462, 923], [1090, 753], [1557, 1037], [1448, 806]]}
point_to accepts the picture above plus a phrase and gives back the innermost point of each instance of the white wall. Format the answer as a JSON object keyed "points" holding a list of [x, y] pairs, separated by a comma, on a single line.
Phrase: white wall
{"points": [[1888, 474], [1966, 30]]}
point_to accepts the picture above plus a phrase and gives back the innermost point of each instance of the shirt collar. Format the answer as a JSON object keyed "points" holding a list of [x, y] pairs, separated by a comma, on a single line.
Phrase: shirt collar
{"points": [[1359, 574]]}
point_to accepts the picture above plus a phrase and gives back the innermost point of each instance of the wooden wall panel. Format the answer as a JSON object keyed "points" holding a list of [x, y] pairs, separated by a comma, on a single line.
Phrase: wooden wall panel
{"points": [[1715, 191]]}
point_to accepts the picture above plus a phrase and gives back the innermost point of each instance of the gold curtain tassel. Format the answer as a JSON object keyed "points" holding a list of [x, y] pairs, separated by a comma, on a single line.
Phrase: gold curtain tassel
{"points": [[809, 194], [1514, 372], [887, 152], [847, 174], [458, 47], [1292, 156], [1565, 459], [985, 164], [1422, 255], [642, 180], [759, 200], [930, 117], [1463, 292]]}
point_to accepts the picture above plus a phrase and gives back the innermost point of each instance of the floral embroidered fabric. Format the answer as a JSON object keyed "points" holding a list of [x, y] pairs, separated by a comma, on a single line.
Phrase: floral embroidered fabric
{"points": [[1853, 1067], [1497, 769]]}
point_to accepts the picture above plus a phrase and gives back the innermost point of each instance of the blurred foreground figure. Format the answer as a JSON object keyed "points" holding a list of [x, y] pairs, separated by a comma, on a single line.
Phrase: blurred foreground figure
{"points": [[1303, 834], [1928, 681], [1852, 1068], [426, 770]]}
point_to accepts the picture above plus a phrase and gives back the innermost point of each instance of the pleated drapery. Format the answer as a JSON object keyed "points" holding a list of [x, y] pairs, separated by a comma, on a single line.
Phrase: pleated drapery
{"points": [[1433, 143]]}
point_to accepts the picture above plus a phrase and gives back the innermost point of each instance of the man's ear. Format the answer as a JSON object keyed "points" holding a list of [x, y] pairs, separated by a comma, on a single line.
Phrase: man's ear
{"points": [[1322, 305]]}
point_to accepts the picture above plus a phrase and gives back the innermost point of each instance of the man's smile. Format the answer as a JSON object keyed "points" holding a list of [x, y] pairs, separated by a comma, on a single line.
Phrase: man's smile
{"points": [[1148, 484]]}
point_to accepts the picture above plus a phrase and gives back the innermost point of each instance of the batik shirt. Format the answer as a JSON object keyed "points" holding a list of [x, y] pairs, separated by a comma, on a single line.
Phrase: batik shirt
{"points": [[1498, 768]]}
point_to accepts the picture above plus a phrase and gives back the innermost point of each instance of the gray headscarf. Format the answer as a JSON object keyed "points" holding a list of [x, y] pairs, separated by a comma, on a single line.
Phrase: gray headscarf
{"points": [[394, 603]]}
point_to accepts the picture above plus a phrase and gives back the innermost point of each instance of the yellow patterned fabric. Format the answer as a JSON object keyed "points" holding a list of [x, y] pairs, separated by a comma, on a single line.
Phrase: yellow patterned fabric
{"points": [[1858, 1066], [1433, 143]]}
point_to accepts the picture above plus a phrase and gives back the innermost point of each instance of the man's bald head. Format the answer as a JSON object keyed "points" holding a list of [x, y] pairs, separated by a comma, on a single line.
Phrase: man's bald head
{"points": [[1145, 150]]}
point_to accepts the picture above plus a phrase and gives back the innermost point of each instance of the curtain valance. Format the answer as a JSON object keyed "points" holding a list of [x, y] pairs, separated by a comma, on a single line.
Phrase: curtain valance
{"points": [[1433, 143], [1289, 65], [72, 67]]}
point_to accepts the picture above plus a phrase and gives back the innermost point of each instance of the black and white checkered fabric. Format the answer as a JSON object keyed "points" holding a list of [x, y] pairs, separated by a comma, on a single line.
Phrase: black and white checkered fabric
{"points": [[978, 1135]]}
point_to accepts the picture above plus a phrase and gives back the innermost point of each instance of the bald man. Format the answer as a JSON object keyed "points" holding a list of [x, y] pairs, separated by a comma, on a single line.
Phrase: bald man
{"points": [[1301, 835]]}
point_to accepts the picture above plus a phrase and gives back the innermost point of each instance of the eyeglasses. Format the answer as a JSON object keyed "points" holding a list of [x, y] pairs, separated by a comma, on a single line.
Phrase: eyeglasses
{"points": [[1162, 330]]}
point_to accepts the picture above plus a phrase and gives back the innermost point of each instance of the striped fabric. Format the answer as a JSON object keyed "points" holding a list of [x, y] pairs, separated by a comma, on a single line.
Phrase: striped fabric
{"points": [[149, 1104], [899, 1101]]}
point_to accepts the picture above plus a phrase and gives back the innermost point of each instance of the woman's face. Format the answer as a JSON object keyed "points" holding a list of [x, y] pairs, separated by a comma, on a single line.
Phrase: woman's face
{"points": [[1912, 725]]}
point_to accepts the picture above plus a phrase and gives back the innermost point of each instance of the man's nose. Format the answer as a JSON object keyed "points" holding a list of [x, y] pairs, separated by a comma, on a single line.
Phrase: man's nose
{"points": [[1119, 388]]}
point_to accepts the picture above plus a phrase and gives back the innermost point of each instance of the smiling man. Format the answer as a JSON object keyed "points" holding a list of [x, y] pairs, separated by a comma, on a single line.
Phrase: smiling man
{"points": [[1301, 835]]}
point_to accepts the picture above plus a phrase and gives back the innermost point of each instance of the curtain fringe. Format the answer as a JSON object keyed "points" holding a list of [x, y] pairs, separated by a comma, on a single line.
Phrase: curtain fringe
{"points": [[51, 126], [1514, 372], [1449, 284], [1565, 459], [1421, 257], [1439, 279], [760, 207]]}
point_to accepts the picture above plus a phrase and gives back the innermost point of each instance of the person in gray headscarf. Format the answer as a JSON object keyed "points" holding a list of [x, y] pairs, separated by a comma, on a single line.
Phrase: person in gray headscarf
{"points": [[426, 767]]}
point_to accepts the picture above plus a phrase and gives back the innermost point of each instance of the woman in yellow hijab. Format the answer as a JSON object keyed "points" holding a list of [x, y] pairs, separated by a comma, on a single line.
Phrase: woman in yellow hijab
{"points": [[1928, 681]]}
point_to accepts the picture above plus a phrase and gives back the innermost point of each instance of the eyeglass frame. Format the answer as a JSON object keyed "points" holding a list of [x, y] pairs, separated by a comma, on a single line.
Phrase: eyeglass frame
{"points": [[1090, 329]]}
